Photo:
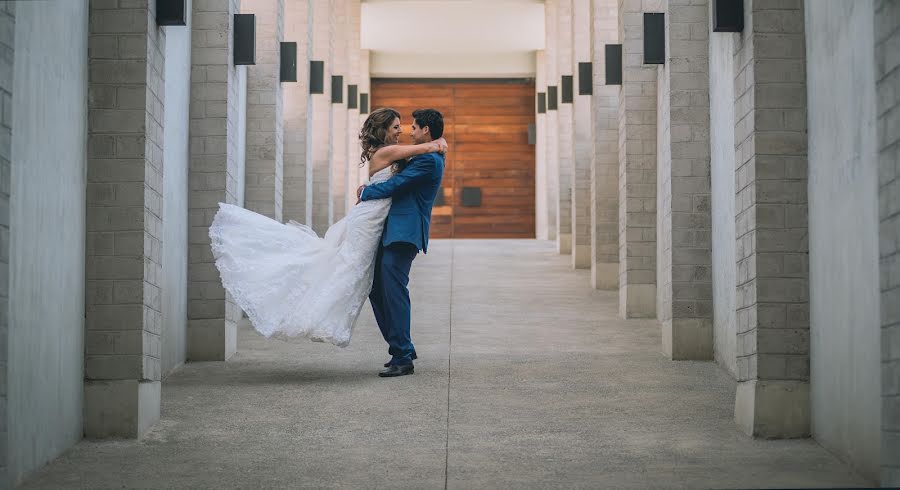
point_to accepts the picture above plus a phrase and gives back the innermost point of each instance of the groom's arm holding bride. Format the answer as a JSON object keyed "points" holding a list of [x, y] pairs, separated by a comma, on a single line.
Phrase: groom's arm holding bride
{"points": [[419, 168]]}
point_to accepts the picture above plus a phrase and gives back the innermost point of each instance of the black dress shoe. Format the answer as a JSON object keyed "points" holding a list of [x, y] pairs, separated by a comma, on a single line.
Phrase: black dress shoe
{"points": [[393, 371], [414, 357]]}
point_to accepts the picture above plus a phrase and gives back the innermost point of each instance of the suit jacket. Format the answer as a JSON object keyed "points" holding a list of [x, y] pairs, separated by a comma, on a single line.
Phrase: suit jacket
{"points": [[414, 190]]}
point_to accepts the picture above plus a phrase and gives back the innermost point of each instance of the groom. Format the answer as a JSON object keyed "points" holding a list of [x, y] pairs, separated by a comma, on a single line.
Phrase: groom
{"points": [[405, 234]]}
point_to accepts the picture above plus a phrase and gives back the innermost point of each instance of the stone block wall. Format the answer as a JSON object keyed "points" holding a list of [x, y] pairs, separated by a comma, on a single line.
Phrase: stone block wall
{"points": [[295, 98], [887, 79], [7, 50], [581, 139], [551, 120], [604, 155], [684, 290], [320, 207], [264, 184], [565, 123], [214, 175], [637, 166], [124, 219], [338, 134], [771, 224]]}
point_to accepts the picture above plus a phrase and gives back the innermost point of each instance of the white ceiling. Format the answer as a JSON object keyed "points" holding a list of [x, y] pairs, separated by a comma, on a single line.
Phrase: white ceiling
{"points": [[452, 37]]}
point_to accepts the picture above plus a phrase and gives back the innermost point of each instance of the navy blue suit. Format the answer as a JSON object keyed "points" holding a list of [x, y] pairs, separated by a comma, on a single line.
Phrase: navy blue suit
{"points": [[405, 233]]}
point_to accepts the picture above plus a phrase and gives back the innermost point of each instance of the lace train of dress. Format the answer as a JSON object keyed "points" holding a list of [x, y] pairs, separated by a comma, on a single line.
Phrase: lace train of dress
{"points": [[290, 281]]}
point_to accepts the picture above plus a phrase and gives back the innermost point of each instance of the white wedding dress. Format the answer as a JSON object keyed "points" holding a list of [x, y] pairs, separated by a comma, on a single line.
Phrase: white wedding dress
{"points": [[290, 281]]}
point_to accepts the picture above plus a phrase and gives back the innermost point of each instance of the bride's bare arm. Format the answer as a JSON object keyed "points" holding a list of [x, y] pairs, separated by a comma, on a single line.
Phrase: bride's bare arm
{"points": [[387, 155]]}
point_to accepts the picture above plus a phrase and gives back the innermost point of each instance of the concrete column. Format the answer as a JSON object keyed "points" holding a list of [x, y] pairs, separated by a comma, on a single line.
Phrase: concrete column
{"points": [[605, 154], [353, 123], [295, 112], [7, 50], [582, 146], [338, 134], [551, 120], [124, 220], [319, 204], [264, 184], [565, 120], [887, 78], [771, 224], [540, 149], [684, 282], [365, 87], [637, 166], [214, 175]]}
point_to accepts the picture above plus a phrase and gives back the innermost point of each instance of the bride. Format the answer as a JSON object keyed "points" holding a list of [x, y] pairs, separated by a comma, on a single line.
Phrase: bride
{"points": [[290, 281]]}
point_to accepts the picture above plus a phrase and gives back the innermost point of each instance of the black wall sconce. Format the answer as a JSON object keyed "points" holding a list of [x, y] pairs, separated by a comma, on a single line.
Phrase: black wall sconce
{"points": [[532, 134], [567, 89], [613, 54], [541, 102], [288, 62], [352, 97], [170, 13], [654, 39], [337, 89], [363, 103], [244, 39], [317, 77], [728, 15], [552, 98], [585, 78]]}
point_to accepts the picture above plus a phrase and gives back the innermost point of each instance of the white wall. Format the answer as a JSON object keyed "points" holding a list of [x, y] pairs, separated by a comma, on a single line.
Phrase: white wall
{"points": [[176, 153], [241, 155], [843, 230], [47, 222], [721, 135]]}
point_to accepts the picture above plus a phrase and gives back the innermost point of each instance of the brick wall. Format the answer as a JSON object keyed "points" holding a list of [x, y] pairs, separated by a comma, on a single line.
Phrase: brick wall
{"points": [[684, 291], [7, 45], [264, 184], [581, 135], [212, 314], [124, 213], [295, 110], [605, 154], [887, 77], [637, 166], [565, 120]]}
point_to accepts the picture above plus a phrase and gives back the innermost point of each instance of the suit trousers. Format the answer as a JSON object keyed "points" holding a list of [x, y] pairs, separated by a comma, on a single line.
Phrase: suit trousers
{"points": [[390, 298]]}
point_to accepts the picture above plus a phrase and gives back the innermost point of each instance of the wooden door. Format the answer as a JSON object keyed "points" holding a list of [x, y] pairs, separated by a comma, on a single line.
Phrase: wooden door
{"points": [[486, 124]]}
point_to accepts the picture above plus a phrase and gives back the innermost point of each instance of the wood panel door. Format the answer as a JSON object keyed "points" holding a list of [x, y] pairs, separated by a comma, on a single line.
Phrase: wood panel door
{"points": [[486, 124]]}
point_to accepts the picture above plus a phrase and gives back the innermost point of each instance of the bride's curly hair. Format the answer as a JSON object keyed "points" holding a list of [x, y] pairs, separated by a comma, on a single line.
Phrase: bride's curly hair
{"points": [[374, 132]]}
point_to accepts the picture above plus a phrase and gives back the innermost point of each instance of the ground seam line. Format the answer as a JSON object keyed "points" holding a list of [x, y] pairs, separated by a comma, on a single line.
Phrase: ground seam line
{"points": [[449, 351]]}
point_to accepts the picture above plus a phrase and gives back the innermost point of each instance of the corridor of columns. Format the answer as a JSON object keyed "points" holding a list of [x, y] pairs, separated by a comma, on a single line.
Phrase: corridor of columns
{"points": [[665, 250], [525, 377]]}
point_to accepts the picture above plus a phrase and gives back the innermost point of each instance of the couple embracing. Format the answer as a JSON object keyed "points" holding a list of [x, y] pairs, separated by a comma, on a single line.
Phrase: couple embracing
{"points": [[293, 283]]}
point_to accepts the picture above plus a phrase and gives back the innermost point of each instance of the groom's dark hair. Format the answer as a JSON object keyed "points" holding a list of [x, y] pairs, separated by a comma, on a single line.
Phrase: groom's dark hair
{"points": [[431, 119]]}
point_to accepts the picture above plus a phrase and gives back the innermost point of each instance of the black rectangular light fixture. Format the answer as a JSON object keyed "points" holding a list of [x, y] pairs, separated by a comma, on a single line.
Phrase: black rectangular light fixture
{"points": [[532, 134], [654, 39], [567, 89], [337, 89], [170, 13], [613, 67], [317, 77], [552, 98], [471, 196], [439, 198], [585, 78], [541, 102], [363, 103], [244, 39], [728, 15], [352, 97], [288, 62]]}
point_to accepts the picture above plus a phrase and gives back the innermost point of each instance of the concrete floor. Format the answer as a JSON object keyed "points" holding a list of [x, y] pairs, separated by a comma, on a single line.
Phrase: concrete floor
{"points": [[525, 378]]}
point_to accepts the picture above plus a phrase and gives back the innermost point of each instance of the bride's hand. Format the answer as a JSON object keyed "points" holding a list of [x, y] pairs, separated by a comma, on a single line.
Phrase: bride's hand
{"points": [[441, 145]]}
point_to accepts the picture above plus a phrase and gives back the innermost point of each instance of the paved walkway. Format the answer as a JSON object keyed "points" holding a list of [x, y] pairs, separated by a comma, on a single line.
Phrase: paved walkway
{"points": [[525, 378]]}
